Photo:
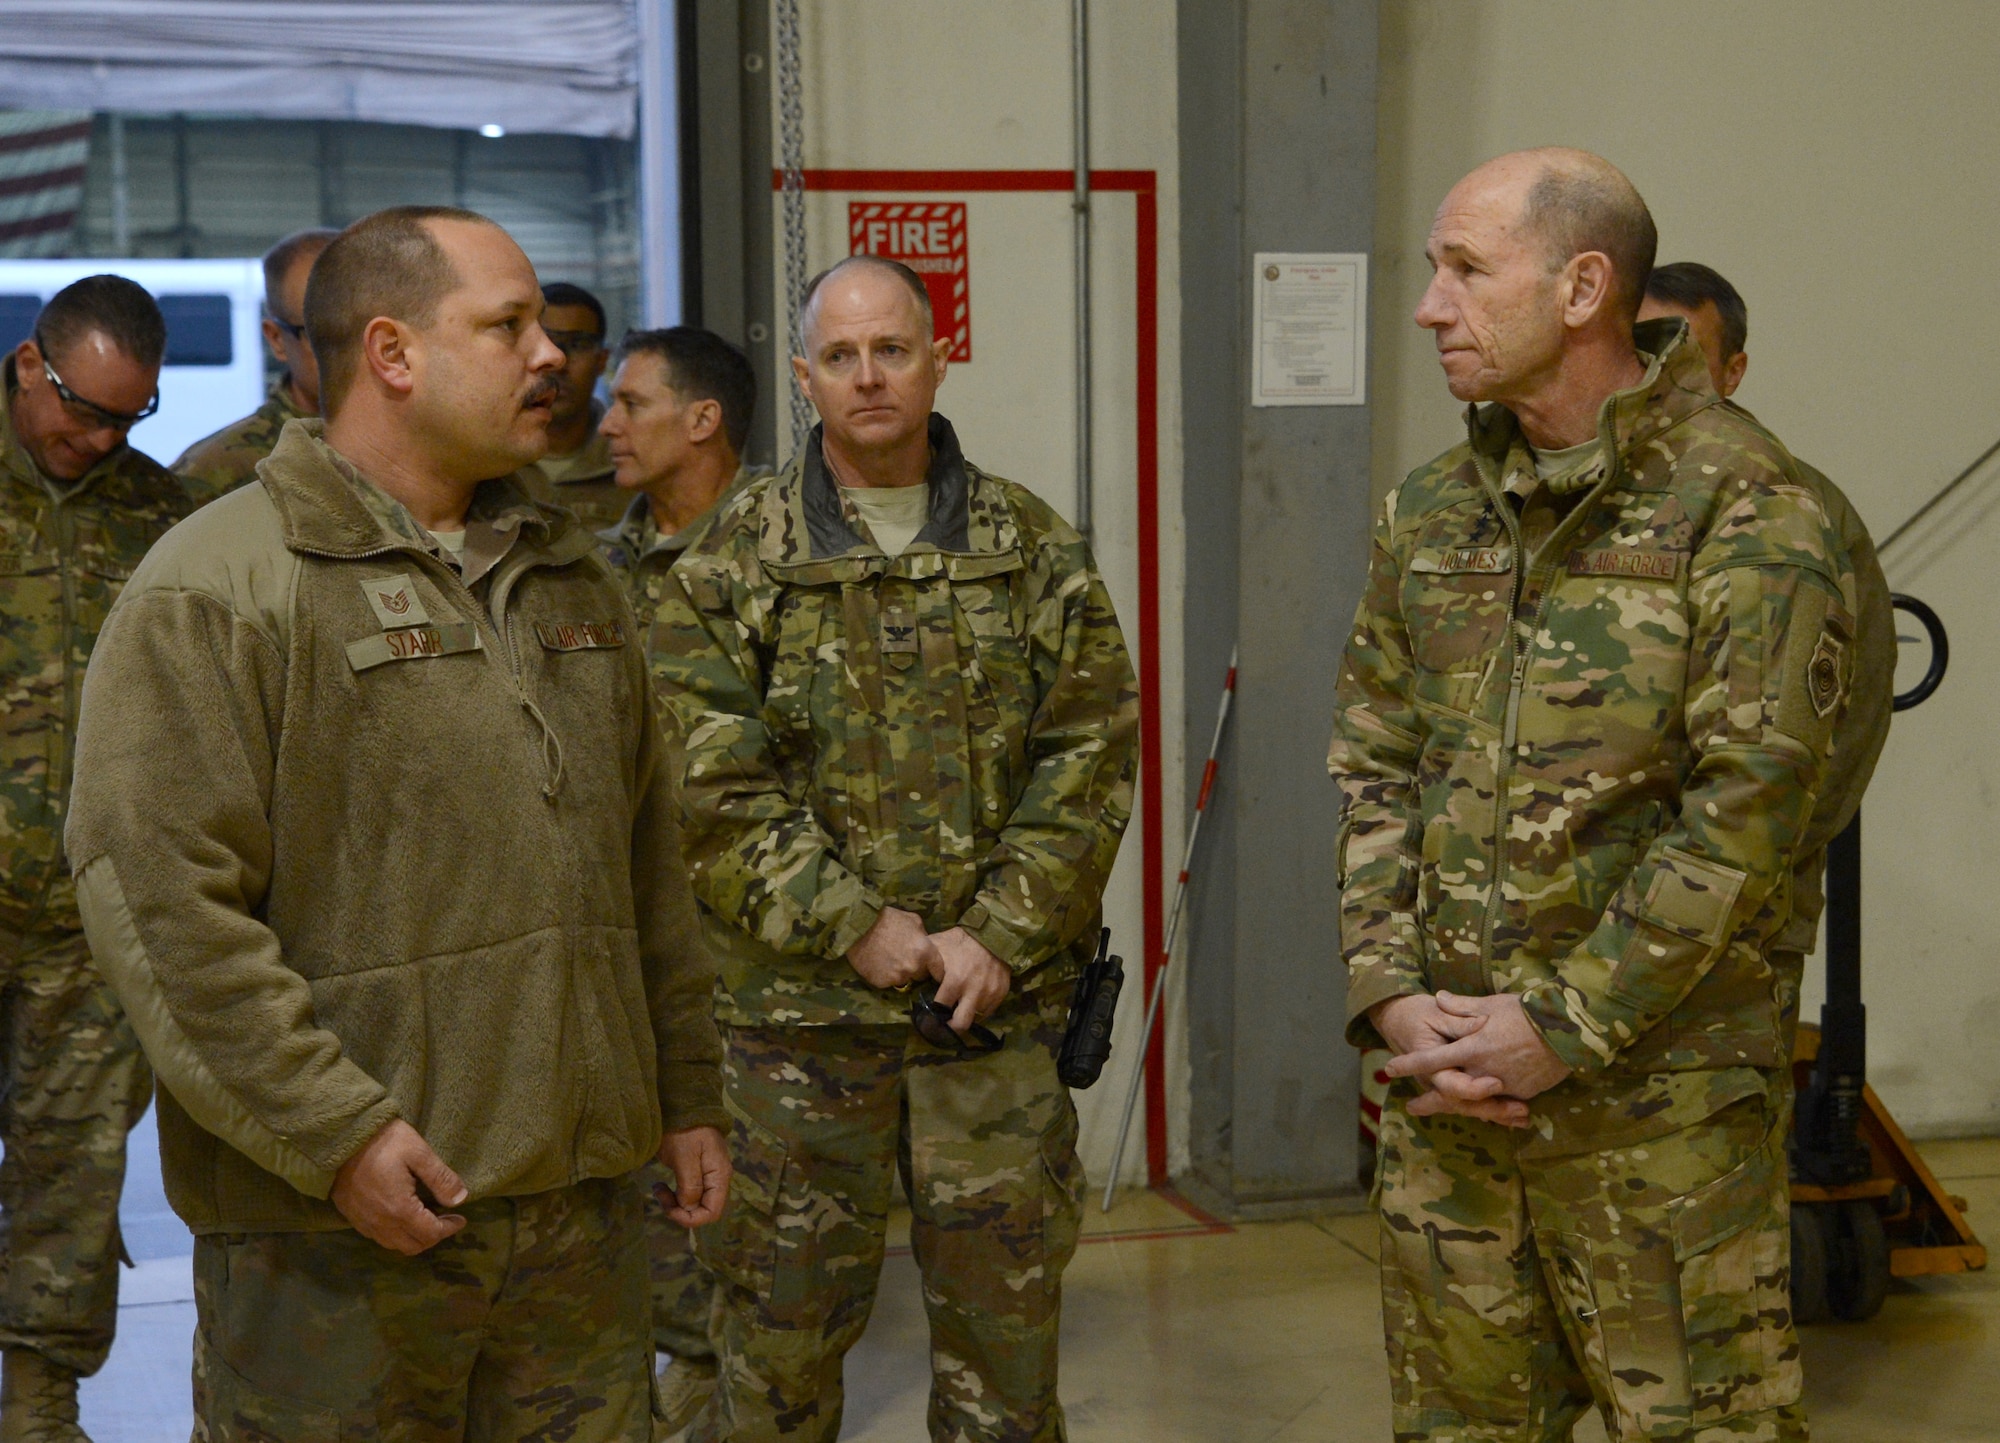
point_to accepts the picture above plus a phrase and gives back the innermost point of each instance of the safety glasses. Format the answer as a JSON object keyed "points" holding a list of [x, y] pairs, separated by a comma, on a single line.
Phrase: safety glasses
{"points": [[89, 412], [932, 1019], [575, 343]]}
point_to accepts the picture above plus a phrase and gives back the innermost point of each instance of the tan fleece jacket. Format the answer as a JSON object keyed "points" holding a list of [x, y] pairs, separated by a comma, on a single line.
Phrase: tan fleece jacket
{"points": [[354, 842]]}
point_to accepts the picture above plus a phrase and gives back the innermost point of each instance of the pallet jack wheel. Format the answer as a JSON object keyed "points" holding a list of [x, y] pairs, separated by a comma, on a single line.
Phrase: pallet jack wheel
{"points": [[1857, 1277], [1808, 1264]]}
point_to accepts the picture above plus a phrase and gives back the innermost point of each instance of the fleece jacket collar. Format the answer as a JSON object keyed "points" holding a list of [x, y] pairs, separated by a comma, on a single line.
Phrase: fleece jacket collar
{"points": [[325, 512]]}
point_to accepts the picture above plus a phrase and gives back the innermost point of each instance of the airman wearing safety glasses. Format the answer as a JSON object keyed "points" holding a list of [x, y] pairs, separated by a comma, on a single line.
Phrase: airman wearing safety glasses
{"points": [[78, 509]]}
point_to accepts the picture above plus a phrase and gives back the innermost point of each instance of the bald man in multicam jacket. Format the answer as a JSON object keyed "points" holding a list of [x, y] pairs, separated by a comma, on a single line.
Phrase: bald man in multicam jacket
{"points": [[906, 724], [1582, 719]]}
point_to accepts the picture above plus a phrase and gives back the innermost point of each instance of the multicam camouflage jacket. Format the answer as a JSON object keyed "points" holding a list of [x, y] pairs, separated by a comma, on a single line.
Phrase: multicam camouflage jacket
{"points": [[950, 731], [640, 556], [66, 548], [222, 462], [1578, 769]]}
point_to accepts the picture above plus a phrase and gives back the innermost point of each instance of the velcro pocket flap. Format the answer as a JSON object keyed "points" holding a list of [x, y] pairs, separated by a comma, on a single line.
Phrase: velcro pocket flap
{"points": [[1691, 897], [1712, 1215]]}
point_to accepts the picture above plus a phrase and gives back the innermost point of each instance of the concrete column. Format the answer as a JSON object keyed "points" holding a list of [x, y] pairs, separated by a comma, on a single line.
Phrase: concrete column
{"points": [[1277, 125]]}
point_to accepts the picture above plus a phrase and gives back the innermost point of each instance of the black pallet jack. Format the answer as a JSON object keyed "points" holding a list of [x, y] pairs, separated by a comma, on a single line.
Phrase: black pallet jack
{"points": [[1865, 1207]]}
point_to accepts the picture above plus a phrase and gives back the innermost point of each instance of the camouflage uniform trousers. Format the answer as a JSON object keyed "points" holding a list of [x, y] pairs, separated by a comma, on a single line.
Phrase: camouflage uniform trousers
{"points": [[1652, 1280], [530, 1323], [75, 1083], [683, 1287], [825, 1117]]}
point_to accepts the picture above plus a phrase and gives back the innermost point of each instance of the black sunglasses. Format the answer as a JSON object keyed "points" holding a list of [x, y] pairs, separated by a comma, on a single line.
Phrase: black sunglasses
{"points": [[89, 411], [297, 333], [932, 1019]]}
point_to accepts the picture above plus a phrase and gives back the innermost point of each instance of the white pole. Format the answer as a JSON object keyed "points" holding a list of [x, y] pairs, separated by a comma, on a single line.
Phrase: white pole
{"points": [[659, 166]]}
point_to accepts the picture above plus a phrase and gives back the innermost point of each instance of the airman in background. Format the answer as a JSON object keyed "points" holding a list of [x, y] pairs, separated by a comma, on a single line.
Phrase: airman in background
{"points": [[578, 471], [1720, 323], [227, 459], [681, 403], [78, 509], [1583, 713], [904, 723]]}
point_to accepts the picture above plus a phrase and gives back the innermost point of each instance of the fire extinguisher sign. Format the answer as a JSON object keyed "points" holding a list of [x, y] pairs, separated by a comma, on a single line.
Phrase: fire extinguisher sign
{"points": [[929, 238]]}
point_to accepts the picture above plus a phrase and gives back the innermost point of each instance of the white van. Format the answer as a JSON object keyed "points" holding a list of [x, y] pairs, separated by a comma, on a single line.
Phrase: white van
{"points": [[214, 370]]}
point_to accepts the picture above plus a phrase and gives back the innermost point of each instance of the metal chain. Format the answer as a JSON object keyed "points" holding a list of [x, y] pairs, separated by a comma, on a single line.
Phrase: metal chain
{"points": [[791, 161]]}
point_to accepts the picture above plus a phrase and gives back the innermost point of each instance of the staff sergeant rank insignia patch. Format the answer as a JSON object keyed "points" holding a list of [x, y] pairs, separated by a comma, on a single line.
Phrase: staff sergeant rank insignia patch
{"points": [[395, 601]]}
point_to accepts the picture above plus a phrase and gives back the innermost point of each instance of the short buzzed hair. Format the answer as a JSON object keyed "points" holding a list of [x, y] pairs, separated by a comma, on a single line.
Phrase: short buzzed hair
{"points": [[385, 264], [119, 309], [563, 293], [901, 272], [1692, 285], [701, 366], [1582, 202], [300, 245]]}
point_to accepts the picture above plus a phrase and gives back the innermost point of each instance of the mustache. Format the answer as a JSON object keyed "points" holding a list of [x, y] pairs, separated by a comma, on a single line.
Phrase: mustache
{"points": [[546, 389]]}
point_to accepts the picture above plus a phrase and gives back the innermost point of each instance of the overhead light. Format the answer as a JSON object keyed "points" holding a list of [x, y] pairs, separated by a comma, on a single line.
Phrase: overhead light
{"points": [[492, 132]]}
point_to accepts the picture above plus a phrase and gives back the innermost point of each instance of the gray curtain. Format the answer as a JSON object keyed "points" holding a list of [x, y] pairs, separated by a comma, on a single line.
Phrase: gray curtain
{"points": [[568, 66]]}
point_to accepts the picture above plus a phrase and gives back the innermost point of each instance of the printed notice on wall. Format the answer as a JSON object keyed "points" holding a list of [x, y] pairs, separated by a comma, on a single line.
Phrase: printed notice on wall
{"points": [[1312, 330]]}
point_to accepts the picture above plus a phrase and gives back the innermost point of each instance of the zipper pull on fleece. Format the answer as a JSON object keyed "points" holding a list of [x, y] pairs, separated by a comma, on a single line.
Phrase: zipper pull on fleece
{"points": [[552, 752]]}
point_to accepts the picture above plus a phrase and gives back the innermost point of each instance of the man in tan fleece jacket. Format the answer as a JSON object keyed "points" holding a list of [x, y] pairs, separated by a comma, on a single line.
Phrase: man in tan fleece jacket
{"points": [[373, 837]]}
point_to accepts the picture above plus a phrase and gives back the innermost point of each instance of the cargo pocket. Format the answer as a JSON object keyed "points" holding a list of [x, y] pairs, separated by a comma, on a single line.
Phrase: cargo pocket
{"points": [[1063, 1194], [758, 1244], [237, 1412], [1733, 1249]]}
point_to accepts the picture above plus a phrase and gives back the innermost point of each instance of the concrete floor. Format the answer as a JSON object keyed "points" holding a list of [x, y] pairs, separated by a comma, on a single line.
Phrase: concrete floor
{"points": [[1267, 1333]]}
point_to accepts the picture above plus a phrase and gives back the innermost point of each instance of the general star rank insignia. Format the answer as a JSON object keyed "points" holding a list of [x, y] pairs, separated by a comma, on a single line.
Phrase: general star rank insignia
{"points": [[394, 601], [1823, 674]]}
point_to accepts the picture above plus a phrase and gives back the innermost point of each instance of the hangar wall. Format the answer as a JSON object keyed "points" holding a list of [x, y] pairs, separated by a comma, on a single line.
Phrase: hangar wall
{"points": [[1840, 162]]}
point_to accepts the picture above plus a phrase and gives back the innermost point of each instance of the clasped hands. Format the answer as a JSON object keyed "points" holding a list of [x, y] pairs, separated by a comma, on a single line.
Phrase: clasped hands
{"points": [[896, 953], [395, 1188], [1480, 1055]]}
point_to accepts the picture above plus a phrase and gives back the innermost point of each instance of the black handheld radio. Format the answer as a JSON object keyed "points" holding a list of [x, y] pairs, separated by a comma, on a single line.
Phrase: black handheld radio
{"points": [[1086, 1044]]}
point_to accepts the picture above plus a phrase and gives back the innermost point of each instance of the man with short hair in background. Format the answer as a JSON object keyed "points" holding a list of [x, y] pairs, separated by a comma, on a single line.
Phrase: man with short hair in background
{"points": [[1719, 321], [375, 838], [1585, 707], [578, 471], [225, 460], [904, 724], [681, 403], [78, 510]]}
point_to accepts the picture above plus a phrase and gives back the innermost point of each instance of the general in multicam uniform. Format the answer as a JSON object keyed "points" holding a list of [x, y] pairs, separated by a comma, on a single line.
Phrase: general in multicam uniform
{"points": [[78, 510], [907, 724], [1582, 718], [220, 463]]}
